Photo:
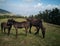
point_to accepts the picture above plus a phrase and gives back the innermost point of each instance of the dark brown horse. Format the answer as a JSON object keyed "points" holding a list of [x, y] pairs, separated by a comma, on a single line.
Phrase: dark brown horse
{"points": [[24, 24], [6, 25], [38, 24]]}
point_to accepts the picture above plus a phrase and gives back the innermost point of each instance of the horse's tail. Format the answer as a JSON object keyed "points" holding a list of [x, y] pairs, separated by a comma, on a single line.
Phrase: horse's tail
{"points": [[1, 27]]}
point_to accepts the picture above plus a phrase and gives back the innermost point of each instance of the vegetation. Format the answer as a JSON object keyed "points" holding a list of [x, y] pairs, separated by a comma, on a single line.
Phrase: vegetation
{"points": [[50, 16], [52, 36], [8, 16]]}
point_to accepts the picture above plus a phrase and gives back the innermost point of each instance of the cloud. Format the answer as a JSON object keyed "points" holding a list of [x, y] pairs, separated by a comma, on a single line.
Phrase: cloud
{"points": [[29, 9], [42, 7], [38, 5], [30, 1], [49, 6]]}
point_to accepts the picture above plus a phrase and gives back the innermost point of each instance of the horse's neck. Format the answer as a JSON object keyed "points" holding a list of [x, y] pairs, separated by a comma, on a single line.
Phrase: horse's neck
{"points": [[17, 22]]}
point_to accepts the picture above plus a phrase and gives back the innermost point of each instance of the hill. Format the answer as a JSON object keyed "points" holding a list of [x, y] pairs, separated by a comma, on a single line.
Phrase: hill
{"points": [[4, 11]]}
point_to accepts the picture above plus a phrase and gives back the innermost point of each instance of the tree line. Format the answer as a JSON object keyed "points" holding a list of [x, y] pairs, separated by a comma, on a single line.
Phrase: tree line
{"points": [[50, 16], [8, 16]]}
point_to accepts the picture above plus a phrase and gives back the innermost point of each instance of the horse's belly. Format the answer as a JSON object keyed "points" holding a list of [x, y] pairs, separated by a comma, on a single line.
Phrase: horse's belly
{"points": [[19, 27]]}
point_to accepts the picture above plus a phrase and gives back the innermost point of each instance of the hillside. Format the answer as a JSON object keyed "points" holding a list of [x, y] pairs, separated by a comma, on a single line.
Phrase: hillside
{"points": [[4, 11]]}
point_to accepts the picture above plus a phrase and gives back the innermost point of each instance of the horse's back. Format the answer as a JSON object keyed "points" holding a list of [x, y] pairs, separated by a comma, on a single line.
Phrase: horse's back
{"points": [[22, 24]]}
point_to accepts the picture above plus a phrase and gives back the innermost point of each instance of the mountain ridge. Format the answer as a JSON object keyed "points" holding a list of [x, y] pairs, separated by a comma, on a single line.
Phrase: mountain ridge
{"points": [[2, 11]]}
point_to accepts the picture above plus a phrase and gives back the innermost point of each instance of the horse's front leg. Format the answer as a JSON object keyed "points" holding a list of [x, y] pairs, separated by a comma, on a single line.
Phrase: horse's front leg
{"points": [[30, 29], [37, 30], [9, 31]]}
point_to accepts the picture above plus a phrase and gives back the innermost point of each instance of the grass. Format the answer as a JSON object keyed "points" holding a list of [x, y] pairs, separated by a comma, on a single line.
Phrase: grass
{"points": [[52, 36]]}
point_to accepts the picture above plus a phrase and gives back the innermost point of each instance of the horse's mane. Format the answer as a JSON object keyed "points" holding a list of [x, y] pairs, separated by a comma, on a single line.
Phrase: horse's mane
{"points": [[34, 19]]}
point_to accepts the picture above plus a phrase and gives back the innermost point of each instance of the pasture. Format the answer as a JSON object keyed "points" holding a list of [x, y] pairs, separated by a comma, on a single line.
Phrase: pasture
{"points": [[52, 36]]}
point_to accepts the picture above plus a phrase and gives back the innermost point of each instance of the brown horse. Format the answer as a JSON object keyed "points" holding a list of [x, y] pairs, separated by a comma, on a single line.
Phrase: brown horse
{"points": [[24, 24], [38, 24], [4, 26]]}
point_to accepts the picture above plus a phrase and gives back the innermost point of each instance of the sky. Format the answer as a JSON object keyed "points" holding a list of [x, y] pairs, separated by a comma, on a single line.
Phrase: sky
{"points": [[28, 7]]}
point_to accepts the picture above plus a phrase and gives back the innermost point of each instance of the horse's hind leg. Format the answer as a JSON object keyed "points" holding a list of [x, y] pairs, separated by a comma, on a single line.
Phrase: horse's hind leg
{"points": [[1, 27], [9, 31], [43, 32], [26, 30], [30, 29], [4, 31], [1, 30]]}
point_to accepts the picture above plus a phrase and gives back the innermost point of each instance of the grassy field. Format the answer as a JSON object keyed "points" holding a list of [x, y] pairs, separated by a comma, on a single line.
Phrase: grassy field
{"points": [[52, 36]]}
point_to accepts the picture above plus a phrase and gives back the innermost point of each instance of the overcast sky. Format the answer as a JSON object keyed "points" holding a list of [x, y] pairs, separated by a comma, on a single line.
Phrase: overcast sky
{"points": [[28, 7]]}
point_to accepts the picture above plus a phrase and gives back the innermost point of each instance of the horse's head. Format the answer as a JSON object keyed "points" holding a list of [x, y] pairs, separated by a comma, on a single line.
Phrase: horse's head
{"points": [[10, 21], [29, 19]]}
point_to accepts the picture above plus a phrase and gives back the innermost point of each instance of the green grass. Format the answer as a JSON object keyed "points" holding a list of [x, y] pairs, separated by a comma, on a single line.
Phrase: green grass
{"points": [[52, 36]]}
